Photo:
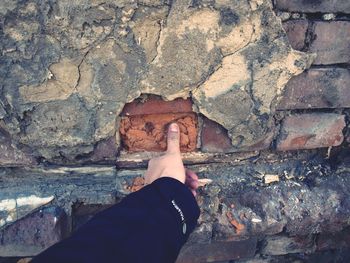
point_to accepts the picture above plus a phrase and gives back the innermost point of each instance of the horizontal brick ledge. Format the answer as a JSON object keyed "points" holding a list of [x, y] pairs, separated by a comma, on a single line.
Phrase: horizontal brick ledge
{"points": [[310, 131]]}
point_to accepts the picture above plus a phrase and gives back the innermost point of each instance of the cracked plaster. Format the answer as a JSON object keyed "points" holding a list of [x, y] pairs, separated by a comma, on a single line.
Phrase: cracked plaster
{"points": [[68, 69]]}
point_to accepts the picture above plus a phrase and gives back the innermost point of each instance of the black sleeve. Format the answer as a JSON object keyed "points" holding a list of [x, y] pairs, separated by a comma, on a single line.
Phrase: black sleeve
{"points": [[150, 225]]}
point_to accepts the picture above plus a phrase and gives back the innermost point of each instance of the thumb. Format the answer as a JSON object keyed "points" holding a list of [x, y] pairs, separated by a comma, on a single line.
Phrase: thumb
{"points": [[173, 138]]}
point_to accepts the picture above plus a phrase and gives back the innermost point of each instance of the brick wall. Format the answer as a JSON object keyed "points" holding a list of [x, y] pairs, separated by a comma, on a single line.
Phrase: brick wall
{"points": [[242, 208], [312, 112]]}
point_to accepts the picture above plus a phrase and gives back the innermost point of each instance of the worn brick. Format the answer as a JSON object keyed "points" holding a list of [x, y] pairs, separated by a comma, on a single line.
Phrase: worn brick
{"points": [[218, 251], [331, 42], [34, 233], [155, 105], [296, 32], [105, 150], [11, 155], [318, 88], [214, 138], [338, 240], [148, 132], [281, 245], [309, 131], [309, 6]]}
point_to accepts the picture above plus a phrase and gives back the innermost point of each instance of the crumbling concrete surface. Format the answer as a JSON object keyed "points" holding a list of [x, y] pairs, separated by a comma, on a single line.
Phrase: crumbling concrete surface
{"points": [[68, 67], [305, 198]]}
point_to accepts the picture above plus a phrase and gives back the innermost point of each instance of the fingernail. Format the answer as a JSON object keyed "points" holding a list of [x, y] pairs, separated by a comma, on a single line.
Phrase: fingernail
{"points": [[174, 127]]}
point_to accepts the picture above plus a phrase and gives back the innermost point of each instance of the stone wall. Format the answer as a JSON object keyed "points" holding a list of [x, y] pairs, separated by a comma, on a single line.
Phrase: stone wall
{"points": [[260, 90]]}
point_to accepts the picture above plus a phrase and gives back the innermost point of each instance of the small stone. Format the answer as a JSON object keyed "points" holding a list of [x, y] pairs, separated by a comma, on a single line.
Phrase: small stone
{"points": [[284, 16], [296, 16], [204, 182], [270, 178], [328, 17]]}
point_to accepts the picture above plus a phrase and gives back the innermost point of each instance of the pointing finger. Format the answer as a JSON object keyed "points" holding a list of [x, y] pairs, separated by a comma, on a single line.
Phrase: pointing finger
{"points": [[173, 138]]}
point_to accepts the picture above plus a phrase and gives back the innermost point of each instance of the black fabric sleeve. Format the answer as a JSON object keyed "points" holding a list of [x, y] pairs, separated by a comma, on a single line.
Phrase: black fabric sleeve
{"points": [[146, 226]]}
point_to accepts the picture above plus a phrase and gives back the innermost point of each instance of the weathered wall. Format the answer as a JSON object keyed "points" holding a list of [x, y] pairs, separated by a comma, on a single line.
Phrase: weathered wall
{"points": [[68, 68]]}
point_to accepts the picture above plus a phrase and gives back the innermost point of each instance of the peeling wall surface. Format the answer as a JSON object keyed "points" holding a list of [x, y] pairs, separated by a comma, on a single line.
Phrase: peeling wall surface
{"points": [[88, 87], [68, 68]]}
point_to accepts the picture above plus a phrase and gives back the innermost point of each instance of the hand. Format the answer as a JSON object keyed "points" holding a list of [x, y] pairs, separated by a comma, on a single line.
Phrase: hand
{"points": [[170, 164]]}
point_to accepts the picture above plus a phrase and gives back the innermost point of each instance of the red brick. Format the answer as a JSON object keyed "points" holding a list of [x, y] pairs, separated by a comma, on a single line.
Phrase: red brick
{"points": [[296, 32], [326, 241], [11, 155], [214, 138], [312, 6], [148, 132], [309, 131], [331, 42], [318, 88], [33, 234], [105, 150], [218, 251], [282, 245], [155, 105]]}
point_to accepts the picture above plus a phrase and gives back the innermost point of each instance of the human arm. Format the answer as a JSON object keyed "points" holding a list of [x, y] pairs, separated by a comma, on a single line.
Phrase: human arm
{"points": [[145, 226]]}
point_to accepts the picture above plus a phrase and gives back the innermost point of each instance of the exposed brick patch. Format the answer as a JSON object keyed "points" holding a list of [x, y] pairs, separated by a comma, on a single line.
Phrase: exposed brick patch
{"points": [[34, 233], [331, 42], [155, 105], [318, 88], [309, 131], [218, 251], [148, 132], [309, 6], [296, 32]]}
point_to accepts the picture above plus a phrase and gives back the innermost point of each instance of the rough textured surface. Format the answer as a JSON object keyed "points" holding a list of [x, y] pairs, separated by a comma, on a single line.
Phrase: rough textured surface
{"points": [[218, 251], [318, 88], [308, 199], [296, 32], [32, 234], [331, 42], [155, 105], [68, 68], [214, 138], [308, 131], [148, 132]]}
